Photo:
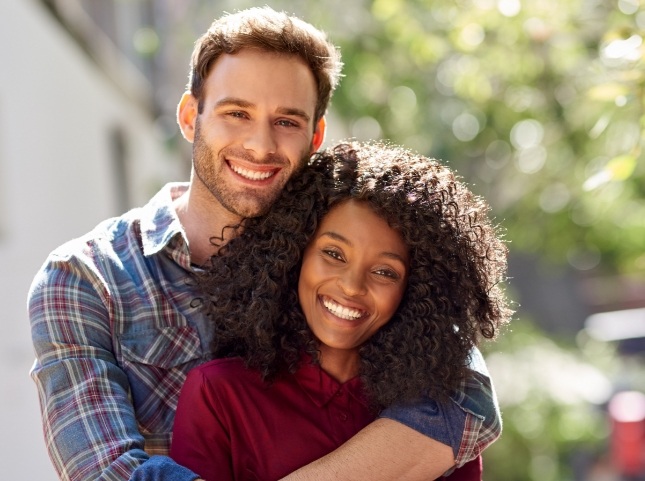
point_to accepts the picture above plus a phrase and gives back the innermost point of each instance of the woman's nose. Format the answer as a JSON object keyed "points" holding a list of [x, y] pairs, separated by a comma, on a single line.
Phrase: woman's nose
{"points": [[352, 283]]}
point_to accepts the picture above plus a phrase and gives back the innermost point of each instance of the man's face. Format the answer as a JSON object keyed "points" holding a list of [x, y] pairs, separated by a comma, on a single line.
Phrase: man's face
{"points": [[256, 128]]}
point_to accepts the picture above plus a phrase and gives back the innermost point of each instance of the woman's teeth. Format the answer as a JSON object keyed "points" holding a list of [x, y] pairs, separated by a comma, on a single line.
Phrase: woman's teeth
{"points": [[341, 311]]}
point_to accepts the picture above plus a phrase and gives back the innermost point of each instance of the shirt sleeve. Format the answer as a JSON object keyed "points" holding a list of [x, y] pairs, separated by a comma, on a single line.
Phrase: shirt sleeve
{"points": [[163, 468], [469, 424], [89, 423], [200, 439]]}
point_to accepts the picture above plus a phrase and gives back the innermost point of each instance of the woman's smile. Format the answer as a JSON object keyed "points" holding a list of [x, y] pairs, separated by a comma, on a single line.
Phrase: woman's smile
{"points": [[341, 311]]}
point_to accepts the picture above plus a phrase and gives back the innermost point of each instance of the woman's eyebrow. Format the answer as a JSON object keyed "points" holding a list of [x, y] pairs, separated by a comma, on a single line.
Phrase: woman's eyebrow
{"points": [[345, 240]]}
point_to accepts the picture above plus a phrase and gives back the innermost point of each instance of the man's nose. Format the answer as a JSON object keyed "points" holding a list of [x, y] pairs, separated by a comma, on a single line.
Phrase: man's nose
{"points": [[261, 140]]}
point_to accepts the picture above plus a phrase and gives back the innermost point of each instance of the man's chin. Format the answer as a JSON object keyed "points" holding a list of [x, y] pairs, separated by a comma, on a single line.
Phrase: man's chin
{"points": [[248, 210]]}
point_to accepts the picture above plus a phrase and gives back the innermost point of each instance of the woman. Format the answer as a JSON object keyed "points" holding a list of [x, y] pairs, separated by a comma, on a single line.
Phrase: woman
{"points": [[385, 274]]}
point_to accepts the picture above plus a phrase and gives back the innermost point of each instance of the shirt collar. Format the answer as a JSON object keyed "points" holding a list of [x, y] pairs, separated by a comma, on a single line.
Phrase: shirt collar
{"points": [[160, 226], [321, 387]]}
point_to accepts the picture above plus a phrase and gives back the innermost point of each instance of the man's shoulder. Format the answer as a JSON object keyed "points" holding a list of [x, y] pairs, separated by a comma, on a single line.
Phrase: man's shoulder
{"points": [[121, 236], [110, 235]]}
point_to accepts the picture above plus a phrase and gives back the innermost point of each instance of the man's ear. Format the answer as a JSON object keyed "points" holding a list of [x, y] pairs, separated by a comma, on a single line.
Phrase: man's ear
{"points": [[319, 134], [187, 115]]}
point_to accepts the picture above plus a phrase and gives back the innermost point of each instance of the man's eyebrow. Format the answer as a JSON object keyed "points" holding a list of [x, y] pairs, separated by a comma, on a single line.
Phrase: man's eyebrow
{"points": [[295, 113], [245, 104], [237, 102], [390, 255]]}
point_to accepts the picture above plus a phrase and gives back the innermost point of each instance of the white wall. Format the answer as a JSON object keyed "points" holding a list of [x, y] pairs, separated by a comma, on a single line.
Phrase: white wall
{"points": [[56, 182]]}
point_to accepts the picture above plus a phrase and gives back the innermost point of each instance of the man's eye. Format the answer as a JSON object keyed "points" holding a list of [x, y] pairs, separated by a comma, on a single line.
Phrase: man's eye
{"points": [[287, 123], [237, 114]]}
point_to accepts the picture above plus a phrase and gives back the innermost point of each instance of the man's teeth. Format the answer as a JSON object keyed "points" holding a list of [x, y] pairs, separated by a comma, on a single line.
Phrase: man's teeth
{"points": [[341, 311], [252, 174]]}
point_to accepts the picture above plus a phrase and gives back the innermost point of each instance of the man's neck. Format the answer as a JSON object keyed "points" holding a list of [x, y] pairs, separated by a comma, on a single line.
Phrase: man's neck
{"points": [[204, 220]]}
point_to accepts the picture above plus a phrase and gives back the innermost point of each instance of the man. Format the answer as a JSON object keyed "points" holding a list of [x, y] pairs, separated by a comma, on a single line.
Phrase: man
{"points": [[115, 316]]}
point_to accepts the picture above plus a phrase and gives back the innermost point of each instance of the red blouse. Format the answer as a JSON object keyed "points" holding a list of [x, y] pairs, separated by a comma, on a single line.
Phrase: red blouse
{"points": [[231, 426]]}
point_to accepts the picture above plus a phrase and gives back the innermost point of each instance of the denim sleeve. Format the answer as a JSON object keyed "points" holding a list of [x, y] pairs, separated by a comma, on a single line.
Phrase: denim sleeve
{"points": [[468, 424], [89, 423], [162, 468]]}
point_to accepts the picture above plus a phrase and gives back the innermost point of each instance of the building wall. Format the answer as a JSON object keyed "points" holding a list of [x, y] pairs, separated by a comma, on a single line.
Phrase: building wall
{"points": [[73, 151]]}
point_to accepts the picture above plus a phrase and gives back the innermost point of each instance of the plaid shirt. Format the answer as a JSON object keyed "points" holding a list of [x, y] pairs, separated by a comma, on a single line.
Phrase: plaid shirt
{"points": [[116, 326]]}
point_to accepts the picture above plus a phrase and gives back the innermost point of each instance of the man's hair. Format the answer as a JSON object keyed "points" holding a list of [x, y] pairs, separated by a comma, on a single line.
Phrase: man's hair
{"points": [[270, 31], [452, 299]]}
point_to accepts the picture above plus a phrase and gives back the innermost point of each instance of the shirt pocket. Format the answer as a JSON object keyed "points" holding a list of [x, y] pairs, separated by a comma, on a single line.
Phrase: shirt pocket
{"points": [[165, 348], [156, 362]]}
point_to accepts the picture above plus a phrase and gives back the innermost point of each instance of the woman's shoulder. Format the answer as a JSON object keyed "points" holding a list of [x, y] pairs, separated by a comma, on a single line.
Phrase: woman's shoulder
{"points": [[223, 370]]}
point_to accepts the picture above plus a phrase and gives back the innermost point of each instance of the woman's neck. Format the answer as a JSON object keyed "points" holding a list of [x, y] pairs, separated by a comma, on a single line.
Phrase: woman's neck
{"points": [[341, 364]]}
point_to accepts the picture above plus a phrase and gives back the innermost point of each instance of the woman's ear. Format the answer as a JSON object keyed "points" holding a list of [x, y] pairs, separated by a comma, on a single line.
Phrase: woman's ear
{"points": [[187, 115]]}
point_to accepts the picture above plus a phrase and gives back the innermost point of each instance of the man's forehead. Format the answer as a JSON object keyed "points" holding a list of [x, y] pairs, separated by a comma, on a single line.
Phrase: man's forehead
{"points": [[257, 79]]}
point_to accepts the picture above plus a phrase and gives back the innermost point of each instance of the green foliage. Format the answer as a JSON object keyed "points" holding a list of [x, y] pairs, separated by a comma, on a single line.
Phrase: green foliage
{"points": [[540, 105], [550, 395]]}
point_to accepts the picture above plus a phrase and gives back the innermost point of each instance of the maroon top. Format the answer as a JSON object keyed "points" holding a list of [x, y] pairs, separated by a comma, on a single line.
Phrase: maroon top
{"points": [[231, 426]]}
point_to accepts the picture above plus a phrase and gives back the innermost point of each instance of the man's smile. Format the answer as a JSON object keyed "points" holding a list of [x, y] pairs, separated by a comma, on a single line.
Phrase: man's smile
{"points": [[252, 174]]}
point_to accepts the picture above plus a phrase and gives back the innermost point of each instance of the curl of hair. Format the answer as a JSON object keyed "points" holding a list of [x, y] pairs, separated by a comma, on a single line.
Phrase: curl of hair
{"points": [[453, 297]]}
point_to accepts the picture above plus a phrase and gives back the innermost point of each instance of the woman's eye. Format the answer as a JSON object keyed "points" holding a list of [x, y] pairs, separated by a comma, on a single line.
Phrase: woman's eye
{"points": [[387, 273], [333, 254]]}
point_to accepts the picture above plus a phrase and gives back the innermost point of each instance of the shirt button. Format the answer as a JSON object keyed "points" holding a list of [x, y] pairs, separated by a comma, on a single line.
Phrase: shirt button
{"points": [[342, 416]]}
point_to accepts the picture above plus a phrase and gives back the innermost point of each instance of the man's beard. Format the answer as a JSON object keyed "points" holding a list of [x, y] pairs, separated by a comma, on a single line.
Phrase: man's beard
{"points": [[243, 202]]}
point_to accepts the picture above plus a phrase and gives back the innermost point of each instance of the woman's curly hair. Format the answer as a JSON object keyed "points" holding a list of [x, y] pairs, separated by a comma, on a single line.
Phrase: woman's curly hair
{"points": [[453, 296]]}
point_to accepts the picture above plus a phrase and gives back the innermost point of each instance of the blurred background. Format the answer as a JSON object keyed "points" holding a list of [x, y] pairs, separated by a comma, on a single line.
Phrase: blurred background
{"points": [[540, 106]]}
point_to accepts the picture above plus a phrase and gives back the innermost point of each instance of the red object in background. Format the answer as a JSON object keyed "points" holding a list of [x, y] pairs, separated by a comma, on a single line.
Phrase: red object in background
{"points": [[627, 413]]}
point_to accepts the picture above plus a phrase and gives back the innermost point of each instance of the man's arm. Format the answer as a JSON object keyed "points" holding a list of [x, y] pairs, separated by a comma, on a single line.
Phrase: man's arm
{"points": [[382, 451], [420, 441], [89, 422]]}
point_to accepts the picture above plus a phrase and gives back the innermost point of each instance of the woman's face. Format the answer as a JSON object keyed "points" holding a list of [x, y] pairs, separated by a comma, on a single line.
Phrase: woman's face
{"points": [[354, 273]]}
